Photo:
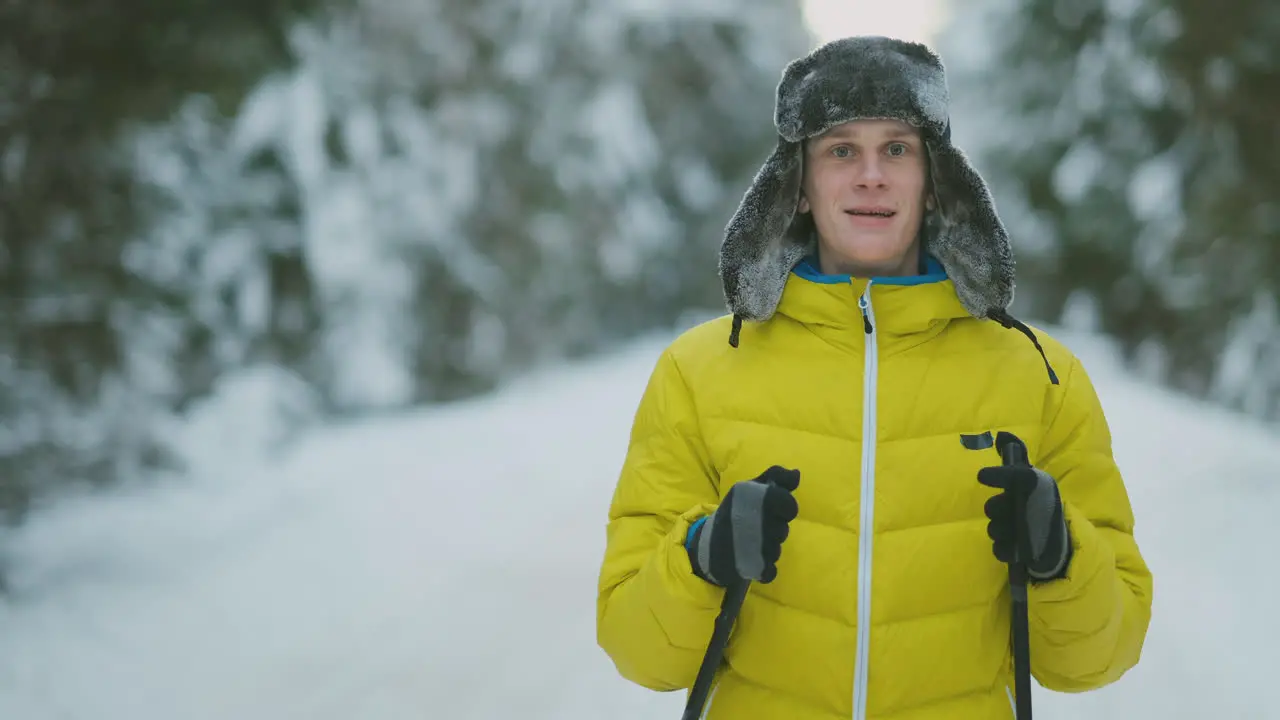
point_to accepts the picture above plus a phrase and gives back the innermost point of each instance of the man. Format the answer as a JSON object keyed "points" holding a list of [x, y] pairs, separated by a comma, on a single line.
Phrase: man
{"points": [[844, 411]]}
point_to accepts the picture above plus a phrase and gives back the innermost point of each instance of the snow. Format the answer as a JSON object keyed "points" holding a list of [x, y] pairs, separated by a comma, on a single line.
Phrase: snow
{"points": [[614, 125], [1155, 189], [1078, 170], [443, 564], [1246, 369]]}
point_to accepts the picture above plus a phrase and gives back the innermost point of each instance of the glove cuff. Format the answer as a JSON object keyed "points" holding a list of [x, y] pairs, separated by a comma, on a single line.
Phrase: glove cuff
{"points": [[1053, 563], [698, 545]]}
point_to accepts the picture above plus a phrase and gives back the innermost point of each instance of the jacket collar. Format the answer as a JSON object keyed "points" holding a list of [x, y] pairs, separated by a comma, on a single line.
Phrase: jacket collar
{"points": [[908, 310], [922, 303]]}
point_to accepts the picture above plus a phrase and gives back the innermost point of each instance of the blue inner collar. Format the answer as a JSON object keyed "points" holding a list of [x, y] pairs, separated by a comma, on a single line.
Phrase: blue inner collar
{"points": [[931, 271]]}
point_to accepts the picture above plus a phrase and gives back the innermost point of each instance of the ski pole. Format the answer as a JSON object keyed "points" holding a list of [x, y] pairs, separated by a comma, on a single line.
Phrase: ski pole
{"points": [[729, 608], [1014, 454]]}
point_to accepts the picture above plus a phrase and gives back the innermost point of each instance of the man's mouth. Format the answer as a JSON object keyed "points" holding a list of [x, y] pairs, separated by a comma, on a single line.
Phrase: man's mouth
{"points": [[871, 212]]}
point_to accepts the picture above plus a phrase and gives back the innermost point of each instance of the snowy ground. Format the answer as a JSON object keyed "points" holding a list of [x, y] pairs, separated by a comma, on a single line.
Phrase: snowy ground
{"points": [[443, 565]]}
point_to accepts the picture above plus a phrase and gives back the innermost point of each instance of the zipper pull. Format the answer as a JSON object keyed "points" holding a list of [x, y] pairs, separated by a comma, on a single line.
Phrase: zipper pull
{"points": [[866, 317]]}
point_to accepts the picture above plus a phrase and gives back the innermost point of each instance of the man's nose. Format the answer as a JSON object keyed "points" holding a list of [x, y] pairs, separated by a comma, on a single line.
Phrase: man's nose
{"points": [[870, 174]]}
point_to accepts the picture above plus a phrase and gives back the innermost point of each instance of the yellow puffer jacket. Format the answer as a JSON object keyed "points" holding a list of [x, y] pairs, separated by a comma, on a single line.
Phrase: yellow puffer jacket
{"points": [[873, 422]]}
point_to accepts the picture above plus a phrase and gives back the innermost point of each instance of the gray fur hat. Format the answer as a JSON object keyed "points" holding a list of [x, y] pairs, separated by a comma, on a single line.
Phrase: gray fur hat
{"points": [[864, 78]]}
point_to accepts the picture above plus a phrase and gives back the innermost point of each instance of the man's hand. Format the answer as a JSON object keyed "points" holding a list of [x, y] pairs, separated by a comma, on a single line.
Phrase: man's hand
{"points": [[743, 538], [1045, 527]]}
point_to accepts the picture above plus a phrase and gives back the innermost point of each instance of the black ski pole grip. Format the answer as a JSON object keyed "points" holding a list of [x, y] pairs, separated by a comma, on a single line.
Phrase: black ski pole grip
{"points": [[1012, 450], [1014, 454]]}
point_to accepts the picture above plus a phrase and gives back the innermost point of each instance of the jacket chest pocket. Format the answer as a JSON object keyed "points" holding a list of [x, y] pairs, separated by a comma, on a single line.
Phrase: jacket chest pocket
{"points": [[955, 493]]}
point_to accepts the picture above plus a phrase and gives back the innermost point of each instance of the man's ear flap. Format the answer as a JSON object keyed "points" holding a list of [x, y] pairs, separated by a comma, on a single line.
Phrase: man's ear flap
{"points": [[802, 202]]}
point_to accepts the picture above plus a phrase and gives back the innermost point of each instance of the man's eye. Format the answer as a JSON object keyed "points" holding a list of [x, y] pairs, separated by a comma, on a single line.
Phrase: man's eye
{"points": [[898, 149], [841, 151]]}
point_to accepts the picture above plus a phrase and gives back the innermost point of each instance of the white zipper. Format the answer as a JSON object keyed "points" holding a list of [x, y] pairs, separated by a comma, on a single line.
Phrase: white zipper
{"points": [[866, 528]]}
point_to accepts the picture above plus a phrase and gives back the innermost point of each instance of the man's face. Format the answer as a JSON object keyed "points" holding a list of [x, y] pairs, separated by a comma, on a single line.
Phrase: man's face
{"points": [[864, 182]]}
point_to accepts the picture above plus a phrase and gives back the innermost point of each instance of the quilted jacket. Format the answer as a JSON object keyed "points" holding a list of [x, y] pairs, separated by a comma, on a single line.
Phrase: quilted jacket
{"points": [[866, 388]]}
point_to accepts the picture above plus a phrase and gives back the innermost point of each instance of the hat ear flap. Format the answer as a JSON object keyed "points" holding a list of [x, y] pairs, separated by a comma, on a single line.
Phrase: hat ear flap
{"points": [[966, 235], [765, 238]]}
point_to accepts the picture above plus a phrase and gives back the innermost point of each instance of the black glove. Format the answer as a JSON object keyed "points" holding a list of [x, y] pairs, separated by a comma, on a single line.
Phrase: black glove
{"points": [[742, 539], [1045, 526]]}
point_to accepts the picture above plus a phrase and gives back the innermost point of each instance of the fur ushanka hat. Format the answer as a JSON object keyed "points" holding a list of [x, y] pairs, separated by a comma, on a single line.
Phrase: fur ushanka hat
{"points": [[865, 78]]}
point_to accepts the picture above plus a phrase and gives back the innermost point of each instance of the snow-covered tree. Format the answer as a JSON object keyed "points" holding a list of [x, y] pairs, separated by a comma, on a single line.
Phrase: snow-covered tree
{"points": [[1132, 148], [73, 76], [461, 190], [428, 197]]}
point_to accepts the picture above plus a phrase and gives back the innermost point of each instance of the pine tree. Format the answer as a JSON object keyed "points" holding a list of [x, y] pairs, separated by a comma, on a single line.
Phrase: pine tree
{"points": [[481, 187]]}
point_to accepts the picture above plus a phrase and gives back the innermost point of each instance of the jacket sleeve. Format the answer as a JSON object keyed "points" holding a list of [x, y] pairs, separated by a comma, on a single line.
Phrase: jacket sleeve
{"points": [[654, 617], [1087, 629]]}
